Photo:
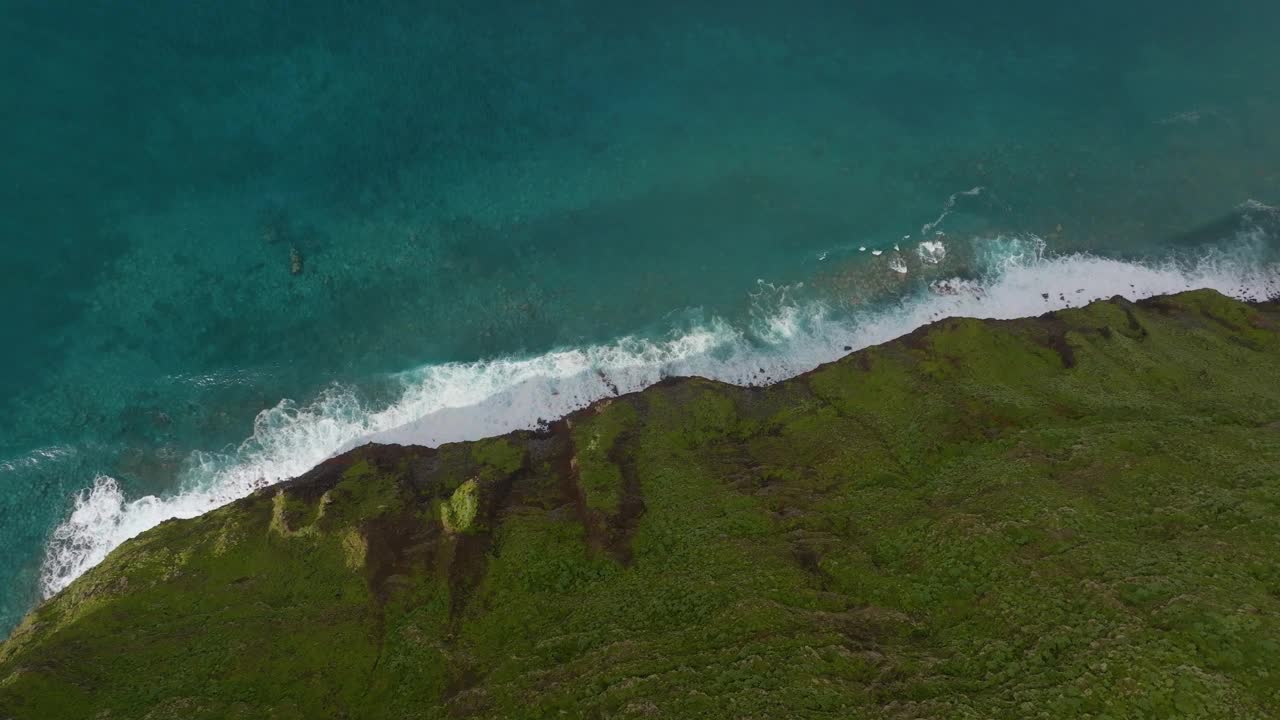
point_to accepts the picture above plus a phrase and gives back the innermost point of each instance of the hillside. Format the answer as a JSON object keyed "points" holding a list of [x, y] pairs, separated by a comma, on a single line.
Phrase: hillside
{"points": [[1067, 516]]}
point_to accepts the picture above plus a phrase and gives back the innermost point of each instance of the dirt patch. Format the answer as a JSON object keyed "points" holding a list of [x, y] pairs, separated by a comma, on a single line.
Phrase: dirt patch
{"points": [[1055, 338], [810, 560], [471, 549], [918, 339], [396, 545], [1162, 305], [622, 524], [322, 478], [1136, 329], [565, 462], [611, 533]]}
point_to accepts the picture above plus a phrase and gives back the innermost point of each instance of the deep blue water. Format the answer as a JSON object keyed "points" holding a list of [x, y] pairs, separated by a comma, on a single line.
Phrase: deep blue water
{"points": [[431, 221]]}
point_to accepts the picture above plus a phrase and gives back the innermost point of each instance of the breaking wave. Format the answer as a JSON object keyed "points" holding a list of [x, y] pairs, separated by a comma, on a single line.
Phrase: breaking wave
{"points": [[787, 332]]}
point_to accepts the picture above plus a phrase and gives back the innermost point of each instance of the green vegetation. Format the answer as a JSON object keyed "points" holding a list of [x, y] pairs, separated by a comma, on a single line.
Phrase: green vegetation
{"points": [[1070, 516], [459, 512], [599, 475]]}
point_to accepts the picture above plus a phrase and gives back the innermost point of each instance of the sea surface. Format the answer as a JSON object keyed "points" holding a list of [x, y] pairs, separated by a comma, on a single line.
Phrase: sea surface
{"points": [[237, 238]]}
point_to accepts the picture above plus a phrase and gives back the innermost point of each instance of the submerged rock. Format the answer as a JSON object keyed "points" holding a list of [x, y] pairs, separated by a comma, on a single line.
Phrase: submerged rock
{"points": [[1067, 515]]}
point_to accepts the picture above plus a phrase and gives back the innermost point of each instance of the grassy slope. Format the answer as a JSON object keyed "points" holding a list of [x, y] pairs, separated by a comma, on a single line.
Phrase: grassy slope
{"points": [[1041, 518]]}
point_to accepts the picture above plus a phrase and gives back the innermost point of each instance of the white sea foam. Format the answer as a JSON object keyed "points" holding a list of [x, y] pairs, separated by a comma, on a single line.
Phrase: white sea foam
{"points": [[932, 252], [948, 207], [462, 401], [37, 457]]}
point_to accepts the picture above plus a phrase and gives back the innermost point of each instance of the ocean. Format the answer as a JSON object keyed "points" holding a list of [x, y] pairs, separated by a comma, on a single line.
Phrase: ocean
{"points": [[238, 238]]}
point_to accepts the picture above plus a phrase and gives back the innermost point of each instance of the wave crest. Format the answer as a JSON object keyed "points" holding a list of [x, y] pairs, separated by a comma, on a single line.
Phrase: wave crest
{"points": [[785, 336]]}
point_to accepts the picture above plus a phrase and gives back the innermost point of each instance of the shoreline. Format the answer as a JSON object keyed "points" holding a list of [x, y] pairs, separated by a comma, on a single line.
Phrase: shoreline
{"points": [[1054, 339], [968, 486]]}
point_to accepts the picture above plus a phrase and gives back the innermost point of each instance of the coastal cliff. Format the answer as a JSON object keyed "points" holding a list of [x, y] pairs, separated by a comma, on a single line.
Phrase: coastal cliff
{"points": [[1064, 516]]}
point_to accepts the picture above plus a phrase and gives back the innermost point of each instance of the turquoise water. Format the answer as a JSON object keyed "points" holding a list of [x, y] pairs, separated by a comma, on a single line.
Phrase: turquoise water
{"points": [[239, 237]]}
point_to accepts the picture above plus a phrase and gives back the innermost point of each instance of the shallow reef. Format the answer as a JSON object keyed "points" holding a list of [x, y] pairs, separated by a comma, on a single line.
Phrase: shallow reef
{"points": [[1076, 515]]}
